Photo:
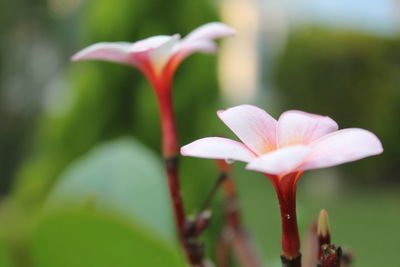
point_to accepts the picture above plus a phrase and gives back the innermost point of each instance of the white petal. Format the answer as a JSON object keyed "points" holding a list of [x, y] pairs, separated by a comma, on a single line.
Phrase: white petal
{"points": [[298, 127], [150, 43], [184, 49], [218, 148], [342, 146], [255, 127], [202, 40], [161, 50], [210, 31], [281, 161], [158, 48], [115, 52]]}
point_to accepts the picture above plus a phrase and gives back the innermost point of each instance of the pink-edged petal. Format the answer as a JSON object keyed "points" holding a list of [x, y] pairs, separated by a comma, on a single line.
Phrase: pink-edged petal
{"points": [[115, 52], [255, 127], [210, 31], [342, 146], [280, 162], [218, 148], [298, 127]]}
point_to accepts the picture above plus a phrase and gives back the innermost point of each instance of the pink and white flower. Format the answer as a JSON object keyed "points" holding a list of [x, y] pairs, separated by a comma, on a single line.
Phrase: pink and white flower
{"points": [[282, 149], [297, 141], [158, 56]]}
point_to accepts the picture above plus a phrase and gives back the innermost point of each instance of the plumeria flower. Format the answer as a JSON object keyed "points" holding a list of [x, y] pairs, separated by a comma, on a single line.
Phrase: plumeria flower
{"points": [[282, 149], [157, 58]]}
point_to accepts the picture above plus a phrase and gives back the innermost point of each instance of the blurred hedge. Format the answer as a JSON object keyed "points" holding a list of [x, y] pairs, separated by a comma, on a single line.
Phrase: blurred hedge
{"points": [[352, 77]]}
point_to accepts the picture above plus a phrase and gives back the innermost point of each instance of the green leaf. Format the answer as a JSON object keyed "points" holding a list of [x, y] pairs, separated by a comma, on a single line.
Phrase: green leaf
{"points": [[88, 238], [122, 177]]}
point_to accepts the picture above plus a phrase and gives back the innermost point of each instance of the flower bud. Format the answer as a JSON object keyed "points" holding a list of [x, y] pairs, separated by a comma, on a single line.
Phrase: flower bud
{"points": [[323, 229], [323, 233]]}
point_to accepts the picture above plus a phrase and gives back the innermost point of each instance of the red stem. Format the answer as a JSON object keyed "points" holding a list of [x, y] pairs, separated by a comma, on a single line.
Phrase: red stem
{"points": [[285, 188], [161, 83], [169, 136], [170, 154]]}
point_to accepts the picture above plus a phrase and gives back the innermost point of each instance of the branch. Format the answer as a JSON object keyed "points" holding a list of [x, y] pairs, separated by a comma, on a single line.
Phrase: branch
{"points": [[234, 233]]}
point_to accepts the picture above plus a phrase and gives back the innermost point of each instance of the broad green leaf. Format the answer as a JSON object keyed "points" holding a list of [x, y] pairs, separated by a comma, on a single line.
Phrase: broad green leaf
{"points": [[122, 177], [88, 238]]}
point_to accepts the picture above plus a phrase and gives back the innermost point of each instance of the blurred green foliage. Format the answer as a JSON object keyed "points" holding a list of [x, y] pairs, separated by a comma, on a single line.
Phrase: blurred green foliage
{"points": [[84, 239], [353, 78], [121, 177], [5, 258]]}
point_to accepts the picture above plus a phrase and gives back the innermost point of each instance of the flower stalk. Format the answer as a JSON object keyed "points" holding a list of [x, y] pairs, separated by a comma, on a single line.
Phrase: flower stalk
{"points": [[188, 239], [285, 188], [168, 128], [234, 234], [157, 58]]}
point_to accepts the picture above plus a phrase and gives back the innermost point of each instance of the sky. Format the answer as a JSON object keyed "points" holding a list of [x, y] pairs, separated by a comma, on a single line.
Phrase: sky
{"points": [[374, 16]]}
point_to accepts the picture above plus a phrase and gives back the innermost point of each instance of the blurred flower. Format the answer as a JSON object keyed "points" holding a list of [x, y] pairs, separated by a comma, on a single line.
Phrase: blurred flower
{"points": [[282, 150], [158, 56]]}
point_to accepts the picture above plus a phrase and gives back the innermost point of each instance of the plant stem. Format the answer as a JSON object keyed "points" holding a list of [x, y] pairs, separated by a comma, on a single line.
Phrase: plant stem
{"points": [[171, 166], [244, 250], [168, 127], [199, 224], [222, 177], [234, 233], [285, 188], [311, 246], [294, 262], [222, 252], [170, 155]]}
